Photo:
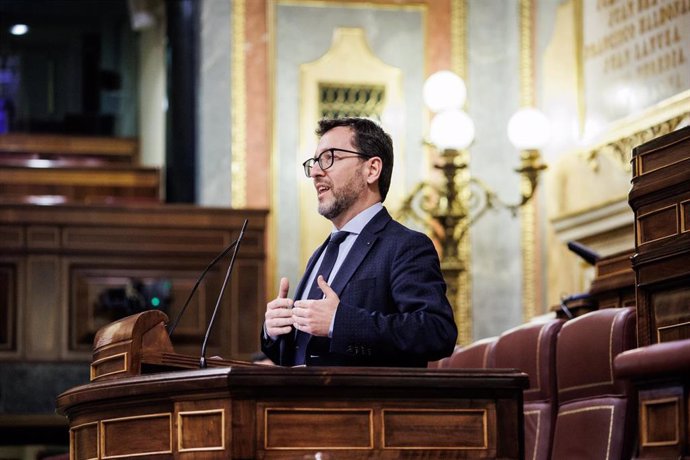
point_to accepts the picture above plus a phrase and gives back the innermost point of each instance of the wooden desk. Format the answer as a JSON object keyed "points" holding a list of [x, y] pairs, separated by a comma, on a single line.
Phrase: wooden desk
{"points": [[246, 411], [273, 412]]}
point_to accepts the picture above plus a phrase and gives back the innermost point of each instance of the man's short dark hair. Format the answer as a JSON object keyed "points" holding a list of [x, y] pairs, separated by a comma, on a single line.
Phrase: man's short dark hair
{"points": [[370, 139]]}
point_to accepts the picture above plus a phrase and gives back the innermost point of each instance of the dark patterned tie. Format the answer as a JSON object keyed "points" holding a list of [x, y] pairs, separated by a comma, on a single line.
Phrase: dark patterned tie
{"points": [[315, 292]]}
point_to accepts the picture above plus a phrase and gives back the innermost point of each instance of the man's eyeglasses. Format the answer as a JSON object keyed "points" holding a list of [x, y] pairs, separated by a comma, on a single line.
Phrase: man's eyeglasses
{"points": [[327, 158]]}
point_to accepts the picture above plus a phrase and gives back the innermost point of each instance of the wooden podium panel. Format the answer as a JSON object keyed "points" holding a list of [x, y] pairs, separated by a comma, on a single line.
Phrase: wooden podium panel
{"points": [[248, 412], [660, 199]]}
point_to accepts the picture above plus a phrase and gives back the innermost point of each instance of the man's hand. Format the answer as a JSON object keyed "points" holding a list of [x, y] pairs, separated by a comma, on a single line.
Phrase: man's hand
{"points": [[315, 316], [278, 312]]}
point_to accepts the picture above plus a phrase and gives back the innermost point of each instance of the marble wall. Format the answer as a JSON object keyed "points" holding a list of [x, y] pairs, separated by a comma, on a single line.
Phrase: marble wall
{"points": [[214, 107], [493, 96]]}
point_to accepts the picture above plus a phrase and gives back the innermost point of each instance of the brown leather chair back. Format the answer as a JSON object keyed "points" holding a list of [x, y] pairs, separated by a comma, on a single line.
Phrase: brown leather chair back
{"points": [[441, 363], [596, 411], [477, 355], [531, 347]]}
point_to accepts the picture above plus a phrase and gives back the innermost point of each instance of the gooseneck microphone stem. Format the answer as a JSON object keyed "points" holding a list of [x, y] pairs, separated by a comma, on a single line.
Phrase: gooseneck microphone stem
{"points": [[198, 281], [202, 361]]}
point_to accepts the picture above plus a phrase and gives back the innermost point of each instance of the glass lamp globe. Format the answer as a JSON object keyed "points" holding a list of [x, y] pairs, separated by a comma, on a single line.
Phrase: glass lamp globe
{"points": [[451, 129], [444, 90], [19, 29], [529, 129]]}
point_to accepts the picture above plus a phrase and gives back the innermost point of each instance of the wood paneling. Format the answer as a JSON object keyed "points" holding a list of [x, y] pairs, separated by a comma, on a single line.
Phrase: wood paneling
{"points": [[659, 198], [73, 254], [146, 434], [85, 440], [40, 168], [659, 373], [321, 428], [614, 283], [275, 412], [438, 429], [80, 184], [19, 145]]}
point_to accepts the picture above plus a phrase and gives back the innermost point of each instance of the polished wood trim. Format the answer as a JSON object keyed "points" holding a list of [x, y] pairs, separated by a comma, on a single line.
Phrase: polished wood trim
{"points": [[181, 430], [95, 375], [74, 442], [483, 413], [319, 412], [103, 435], [246, 392], [654, 217], [645, 426], [122, 177], [71, 145], [684, 211], [660, 330], [664, 156]]}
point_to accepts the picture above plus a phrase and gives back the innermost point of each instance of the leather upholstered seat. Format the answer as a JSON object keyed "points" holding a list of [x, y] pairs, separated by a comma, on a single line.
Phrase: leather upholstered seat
{"points": [[596, 413], [477, 355], [531, 348], [441, 363]]}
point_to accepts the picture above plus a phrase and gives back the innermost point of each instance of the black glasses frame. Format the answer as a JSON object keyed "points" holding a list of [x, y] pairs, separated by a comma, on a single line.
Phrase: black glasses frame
{"points": [[325, 163]]}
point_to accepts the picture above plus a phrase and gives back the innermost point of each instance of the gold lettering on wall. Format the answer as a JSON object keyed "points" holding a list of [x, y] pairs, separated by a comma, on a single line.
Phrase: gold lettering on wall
{"points": [[635, 55]]}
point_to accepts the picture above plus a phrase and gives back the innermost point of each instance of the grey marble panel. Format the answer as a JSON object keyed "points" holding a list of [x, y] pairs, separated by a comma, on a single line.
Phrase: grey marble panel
{"points": [[214, 143], [493, 96]]}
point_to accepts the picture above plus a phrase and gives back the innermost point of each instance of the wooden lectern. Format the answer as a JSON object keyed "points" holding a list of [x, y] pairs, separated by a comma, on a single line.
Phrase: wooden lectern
{"points": [[137, 406]]}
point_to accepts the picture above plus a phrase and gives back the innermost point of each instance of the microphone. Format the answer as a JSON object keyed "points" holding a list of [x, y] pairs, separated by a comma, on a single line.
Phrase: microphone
{"points": [[198, 281], [583, 251], [202, 361]]}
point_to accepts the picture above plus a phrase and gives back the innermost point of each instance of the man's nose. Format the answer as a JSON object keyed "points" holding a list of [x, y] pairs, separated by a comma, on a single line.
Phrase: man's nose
{"points": [[315, 170]]}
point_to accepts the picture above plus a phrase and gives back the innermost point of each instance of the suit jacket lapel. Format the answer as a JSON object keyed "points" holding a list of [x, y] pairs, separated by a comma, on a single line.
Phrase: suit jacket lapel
{"points": [[357, 253], [365, 241]]}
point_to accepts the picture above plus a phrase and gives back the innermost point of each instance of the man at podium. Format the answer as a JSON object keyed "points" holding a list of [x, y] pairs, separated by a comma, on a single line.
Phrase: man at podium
{"points": [[373, 293]]}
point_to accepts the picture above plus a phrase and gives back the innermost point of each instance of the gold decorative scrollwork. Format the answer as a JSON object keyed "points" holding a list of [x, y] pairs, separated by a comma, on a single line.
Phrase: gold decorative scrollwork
{"points": [[621, 149]]}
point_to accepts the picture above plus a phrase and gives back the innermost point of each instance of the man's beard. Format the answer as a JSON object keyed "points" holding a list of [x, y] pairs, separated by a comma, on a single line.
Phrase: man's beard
{"points": [[343, 197]]}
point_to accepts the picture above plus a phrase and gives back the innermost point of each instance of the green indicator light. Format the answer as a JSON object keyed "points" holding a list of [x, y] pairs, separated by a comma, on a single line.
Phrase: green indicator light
{"points": [[155, 301]]}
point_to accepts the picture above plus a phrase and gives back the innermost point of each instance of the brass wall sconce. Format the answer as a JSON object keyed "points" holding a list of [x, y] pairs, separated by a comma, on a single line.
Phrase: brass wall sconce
{"points": [[452, 205]]}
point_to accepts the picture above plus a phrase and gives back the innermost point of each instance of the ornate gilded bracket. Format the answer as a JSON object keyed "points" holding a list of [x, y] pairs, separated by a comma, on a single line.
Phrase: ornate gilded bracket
{"points": [[621, 149]]}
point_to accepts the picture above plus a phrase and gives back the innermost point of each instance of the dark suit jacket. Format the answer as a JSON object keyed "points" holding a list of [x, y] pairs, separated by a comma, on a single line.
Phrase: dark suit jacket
{"points": [[393, 309]]}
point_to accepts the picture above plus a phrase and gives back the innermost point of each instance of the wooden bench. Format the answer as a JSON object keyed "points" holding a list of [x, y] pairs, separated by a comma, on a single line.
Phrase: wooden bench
{"points": [[52, 169]]}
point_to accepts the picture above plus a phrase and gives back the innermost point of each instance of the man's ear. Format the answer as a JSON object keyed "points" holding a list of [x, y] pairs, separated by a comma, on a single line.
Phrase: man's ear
{"points": [[374, 171]]}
